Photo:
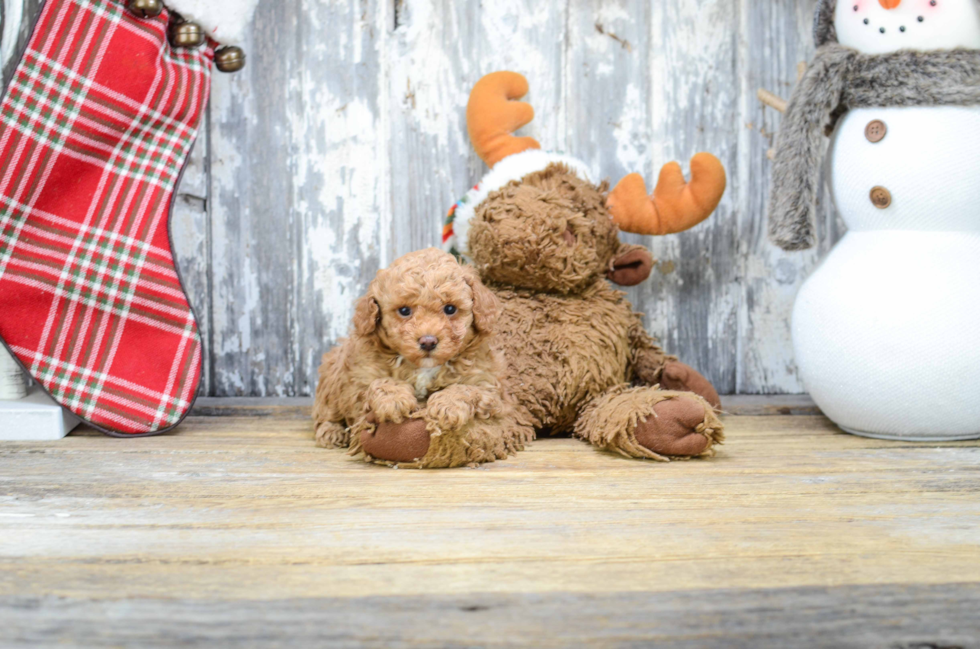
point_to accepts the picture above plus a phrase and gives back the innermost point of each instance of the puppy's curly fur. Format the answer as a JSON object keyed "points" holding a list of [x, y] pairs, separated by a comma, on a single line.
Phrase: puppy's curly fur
{"points": [[383, 373]]}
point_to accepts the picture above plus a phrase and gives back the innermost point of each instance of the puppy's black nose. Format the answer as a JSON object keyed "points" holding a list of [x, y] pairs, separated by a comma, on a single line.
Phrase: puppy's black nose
{"points": [[428, 343]]}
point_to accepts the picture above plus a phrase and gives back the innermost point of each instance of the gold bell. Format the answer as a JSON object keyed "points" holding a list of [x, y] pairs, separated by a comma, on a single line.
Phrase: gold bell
{"points": [[229, 59], [186, 35], [145, 8]]}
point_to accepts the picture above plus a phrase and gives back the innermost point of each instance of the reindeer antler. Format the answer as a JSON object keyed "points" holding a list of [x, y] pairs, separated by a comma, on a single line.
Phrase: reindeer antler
{"points": [[492, 116], [676, 205]]}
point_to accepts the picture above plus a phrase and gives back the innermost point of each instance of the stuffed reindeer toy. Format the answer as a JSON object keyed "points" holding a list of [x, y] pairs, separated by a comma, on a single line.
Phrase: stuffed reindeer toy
{"points": [[543, 237]]}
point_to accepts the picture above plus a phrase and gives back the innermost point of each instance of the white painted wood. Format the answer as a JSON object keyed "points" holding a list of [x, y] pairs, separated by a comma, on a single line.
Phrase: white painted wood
{"points": [[439, 49], [11, 18], [343, 143], [651, 83], [13, 383], [15, 22], [190, 232], [298, 189], [35, 418], [694, 104], [775, 38]]}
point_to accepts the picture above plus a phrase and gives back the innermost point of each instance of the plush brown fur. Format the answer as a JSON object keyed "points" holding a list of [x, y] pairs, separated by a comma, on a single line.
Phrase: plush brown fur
{"points": [[549, 233], [579, 360], [382, 376]]}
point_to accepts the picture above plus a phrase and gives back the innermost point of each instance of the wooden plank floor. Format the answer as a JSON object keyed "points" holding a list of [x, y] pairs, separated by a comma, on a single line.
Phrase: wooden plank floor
{"points": [[239, 532]]}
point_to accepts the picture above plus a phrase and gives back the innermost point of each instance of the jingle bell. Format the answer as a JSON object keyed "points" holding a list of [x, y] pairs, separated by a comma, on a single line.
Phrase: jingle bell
{"points": [[186, 35], [145, 8], [229, 59]]}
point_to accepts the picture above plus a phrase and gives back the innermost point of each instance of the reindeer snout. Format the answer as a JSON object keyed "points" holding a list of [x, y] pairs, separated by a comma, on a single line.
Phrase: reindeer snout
{"points": [[428, 343], [569, 236]]}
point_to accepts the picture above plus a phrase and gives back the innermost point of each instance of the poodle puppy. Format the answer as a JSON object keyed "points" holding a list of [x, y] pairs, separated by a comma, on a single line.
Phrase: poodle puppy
{"points": [[417, 382]]}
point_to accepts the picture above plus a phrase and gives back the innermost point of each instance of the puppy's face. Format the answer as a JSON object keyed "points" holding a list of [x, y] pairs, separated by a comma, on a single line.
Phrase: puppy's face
{"points": [[427, 319], [426, 308]]}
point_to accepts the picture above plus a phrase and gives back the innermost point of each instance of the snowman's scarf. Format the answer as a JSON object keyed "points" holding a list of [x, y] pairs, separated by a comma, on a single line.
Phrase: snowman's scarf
{"points": [[841, 79]]}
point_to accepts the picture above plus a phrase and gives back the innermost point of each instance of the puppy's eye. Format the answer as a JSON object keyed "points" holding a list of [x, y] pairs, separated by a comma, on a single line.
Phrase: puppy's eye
{"points": [[449, 309], [405, 311]]}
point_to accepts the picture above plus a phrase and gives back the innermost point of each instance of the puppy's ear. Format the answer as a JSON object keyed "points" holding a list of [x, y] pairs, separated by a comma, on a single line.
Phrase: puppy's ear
{"points": [[367, 315], [486, 307]]}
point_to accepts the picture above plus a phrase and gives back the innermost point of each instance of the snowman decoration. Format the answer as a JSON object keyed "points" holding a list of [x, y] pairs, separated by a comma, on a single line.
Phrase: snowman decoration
{"points": [[887, 329]]}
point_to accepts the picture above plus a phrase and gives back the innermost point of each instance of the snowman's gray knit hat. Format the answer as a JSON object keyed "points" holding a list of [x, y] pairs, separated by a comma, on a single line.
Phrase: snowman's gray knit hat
{"points": [[823, 27]]}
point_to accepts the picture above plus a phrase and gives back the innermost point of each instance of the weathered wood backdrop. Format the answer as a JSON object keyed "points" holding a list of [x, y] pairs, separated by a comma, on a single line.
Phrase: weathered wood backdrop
{"points": [[344, 142]]}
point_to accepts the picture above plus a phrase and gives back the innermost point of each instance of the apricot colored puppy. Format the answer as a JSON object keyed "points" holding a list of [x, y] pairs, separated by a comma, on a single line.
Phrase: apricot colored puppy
{"points": [[417, 383]]}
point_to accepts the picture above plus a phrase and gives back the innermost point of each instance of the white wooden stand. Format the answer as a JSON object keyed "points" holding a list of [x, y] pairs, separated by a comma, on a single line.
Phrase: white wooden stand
{"points": [[34, 417]]}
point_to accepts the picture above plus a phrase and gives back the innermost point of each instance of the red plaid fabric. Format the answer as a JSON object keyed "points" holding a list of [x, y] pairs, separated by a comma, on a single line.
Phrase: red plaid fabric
{"points": [[96, 125]]}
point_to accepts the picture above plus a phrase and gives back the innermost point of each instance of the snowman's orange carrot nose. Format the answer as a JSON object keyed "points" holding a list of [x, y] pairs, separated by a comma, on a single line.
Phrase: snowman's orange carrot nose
{"points": [[889, 4]]}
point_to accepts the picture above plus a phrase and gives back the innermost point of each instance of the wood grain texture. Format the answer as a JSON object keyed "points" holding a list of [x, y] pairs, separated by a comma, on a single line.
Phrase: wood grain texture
{"points": [[298, 166], [438, 51], [776, 37], [344, 141], [300, 407], [16, 22], [695, 105], [248, 508], [848, 617], [792, 528], [190, 236]]}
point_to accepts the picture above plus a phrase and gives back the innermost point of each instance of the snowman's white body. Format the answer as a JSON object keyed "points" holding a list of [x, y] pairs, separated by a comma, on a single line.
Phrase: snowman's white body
{"points": [[887, 330]]}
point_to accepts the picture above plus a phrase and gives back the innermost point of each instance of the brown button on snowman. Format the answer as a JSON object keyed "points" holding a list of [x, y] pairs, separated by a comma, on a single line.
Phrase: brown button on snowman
{"points": [[876, 131], [885, 330]]}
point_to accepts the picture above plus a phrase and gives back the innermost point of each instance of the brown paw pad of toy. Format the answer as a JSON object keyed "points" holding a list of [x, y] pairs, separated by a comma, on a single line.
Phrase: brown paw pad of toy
{"points": [[404, 442], [673, 429], [684, 378]]}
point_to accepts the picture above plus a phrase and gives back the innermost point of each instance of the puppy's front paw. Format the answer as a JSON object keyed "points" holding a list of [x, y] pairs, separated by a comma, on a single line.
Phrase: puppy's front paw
{"points": [[331, 434], [391, 401], [447, 412], [487, 405]]}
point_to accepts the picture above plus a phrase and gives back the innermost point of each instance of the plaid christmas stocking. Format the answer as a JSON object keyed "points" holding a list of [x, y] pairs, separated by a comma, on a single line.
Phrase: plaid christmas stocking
{"points": [[96, 126]]}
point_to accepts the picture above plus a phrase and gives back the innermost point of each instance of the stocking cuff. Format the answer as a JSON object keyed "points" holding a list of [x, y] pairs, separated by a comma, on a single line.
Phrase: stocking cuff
{"points": [[223, 20]]}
